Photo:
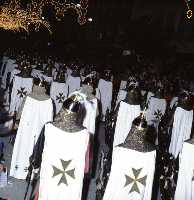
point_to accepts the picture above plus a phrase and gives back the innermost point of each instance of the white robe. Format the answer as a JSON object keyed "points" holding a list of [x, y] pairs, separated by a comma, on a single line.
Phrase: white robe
{"points": [[156, 109], [173, 102], [123, 85], [34, 116], [105, 89], [136, 167], [73, 84], [91, 106], [121, 96], [21, 88], [185, 183], [60, 147], [36, 73], [90, 119], [126, 114], [181, 130], [58, 93], [47, 78]]}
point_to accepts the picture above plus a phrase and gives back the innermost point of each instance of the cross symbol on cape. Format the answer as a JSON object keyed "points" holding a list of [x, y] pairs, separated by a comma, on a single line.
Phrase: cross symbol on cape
{"points": [[64, 172], [60, 98], [22, 93], [158, 114], [135, 181]]}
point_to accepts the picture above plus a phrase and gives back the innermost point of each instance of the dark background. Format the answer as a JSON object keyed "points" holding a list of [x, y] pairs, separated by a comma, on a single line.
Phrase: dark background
{"points": [[154, 28]]}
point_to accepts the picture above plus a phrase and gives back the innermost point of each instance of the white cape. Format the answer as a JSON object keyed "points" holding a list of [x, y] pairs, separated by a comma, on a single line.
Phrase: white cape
{"points": [[90, 119], [156, 109], [73, 84], [126, 114], [105, 89], [181, 130], [121, 96], [91, 106], [131, 176], [58, 94], [63, 163], [34, 116], [21, 88], [37, 73], [185, 183]]}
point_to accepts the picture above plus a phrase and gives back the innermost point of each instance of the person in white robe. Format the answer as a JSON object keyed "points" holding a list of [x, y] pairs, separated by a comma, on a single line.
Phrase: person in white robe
{"points": [[185, 182], [62, 165], [21, 88], [73, 80], [133, 167], [58, 92], [29, 129], [105, 87], [182, 124], [128, 110]]}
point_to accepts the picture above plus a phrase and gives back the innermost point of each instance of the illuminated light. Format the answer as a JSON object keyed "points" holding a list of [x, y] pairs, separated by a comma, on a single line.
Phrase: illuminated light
{"points": [[189, 14], [14, 17], [90, 19]]}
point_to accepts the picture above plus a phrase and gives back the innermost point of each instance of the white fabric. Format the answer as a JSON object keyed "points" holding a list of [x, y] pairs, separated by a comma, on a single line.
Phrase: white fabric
{"points": [[13, 73], [10, 66], [19, 83], [90, 119], [121, 96], [149, 95], [126, 114], [58, 90], [122, 163], [34, 116], [47, 78], [181, 130], [36, 73], [185, 183], [106, 89], [73, 83], [123, 85], [173, 102], [155, 105], [91, 106], [60, 145]]}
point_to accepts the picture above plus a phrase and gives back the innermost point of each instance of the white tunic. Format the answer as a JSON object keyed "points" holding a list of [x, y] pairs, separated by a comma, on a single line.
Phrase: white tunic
{"points": [[185, 183], [121, 96], [123, 85], [156, 109], [73, 84], [63, 163], [173, 102], [90, 119], [58, 94], [131, 176], [181, 130], [126, 114], [34, 116], [36, 73], [21, 88], [105, 89]]}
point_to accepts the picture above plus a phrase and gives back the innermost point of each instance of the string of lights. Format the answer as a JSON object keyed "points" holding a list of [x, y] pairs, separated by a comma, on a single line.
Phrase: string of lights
{"points": [[189, 12], [14, 17]]}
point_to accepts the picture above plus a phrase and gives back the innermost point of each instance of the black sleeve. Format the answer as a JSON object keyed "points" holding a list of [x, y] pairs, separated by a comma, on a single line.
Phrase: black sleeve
{"points": [[36, 157]]}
